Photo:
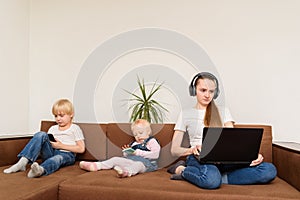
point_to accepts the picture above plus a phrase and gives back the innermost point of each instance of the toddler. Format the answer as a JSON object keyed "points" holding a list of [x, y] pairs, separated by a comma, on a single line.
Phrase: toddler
{"points": [[141, 155]]}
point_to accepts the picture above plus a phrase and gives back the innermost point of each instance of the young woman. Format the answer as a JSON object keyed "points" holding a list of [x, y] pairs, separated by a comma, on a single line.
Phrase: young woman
{"points": [[205, 87]]}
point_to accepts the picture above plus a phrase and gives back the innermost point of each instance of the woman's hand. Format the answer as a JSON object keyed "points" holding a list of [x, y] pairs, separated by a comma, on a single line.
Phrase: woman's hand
{"points": [[259, 160], [195, 150]]}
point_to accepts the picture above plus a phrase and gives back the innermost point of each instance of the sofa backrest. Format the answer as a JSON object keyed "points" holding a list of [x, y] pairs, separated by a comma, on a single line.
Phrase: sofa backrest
{"points": [[119, 134], [95, 139], [10, 148], [104, 141]]}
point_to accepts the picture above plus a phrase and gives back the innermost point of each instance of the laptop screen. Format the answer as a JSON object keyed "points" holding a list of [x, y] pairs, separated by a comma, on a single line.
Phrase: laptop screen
{"points": [[230, 145]]}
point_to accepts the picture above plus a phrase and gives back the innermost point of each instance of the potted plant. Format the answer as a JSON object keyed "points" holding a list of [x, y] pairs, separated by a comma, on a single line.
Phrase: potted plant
{"points": [[144, 106]]}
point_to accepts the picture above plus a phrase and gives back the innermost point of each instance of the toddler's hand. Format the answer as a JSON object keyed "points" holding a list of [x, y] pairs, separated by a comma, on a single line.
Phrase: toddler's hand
{"points": [[126, 146]]}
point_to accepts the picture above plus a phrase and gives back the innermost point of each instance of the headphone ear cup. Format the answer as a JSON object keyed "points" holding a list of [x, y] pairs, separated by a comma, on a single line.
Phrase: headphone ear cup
{"points": [[216, 93], [192, 90], [192, 87]]}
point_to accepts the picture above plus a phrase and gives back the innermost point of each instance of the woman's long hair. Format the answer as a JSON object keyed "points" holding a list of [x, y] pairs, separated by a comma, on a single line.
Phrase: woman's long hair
{"points": [[212, 116]]}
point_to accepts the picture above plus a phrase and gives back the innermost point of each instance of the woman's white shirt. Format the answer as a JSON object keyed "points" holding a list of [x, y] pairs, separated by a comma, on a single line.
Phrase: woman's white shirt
{"points": [[192, 121]]}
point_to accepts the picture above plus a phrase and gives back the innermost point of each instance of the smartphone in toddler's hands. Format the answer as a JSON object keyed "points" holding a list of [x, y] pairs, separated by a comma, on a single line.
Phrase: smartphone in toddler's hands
{"points": [[128, 150]]}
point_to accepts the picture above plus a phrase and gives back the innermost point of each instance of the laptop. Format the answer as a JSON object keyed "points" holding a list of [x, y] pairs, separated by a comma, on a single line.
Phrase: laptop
{"points": [[230, 145]]}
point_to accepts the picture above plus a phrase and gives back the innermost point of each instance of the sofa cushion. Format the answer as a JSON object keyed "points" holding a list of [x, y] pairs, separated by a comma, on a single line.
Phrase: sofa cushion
{"points": [[19, 186], [157, 185]]}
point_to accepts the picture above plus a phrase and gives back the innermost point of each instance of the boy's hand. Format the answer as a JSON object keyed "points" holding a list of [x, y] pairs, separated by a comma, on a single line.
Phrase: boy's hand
{"points": [[57, 144]]}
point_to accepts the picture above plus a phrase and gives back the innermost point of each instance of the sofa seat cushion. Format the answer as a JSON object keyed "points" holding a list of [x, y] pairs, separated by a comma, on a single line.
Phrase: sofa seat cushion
{"points": [[157, 185], [18, 186]]}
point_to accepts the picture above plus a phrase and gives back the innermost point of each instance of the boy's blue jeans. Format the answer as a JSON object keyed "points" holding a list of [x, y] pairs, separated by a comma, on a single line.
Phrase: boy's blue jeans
{"points": [[52, 158], [210, 176]]}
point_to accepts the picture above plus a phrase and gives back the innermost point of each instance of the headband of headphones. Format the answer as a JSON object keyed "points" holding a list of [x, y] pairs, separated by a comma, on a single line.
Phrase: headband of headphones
{"points": [[192, 88]]}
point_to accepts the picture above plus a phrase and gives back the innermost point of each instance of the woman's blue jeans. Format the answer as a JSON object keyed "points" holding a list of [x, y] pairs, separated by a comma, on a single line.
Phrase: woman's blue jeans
{"points": [[53, 159], [209, 176]]}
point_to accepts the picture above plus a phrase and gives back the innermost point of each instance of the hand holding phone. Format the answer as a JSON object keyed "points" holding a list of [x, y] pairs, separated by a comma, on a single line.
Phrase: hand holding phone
{"points": [[51, 137]]}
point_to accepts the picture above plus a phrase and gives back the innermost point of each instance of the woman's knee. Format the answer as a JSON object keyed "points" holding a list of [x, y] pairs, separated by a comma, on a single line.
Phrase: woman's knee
{"points": [[212, 184], [269, 172], [207, 176], [214, 178]]}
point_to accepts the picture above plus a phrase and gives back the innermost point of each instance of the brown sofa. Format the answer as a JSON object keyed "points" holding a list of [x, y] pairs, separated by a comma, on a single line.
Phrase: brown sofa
{"points": [[104, 141]]}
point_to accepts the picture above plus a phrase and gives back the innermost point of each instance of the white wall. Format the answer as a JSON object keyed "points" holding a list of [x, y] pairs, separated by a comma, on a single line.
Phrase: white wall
{"points": [[254, 46], [14, 66]]}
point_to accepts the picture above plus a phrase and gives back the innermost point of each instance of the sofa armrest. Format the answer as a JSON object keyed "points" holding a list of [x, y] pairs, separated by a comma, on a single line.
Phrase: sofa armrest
{"points": [[10, 148], [286, 158]]}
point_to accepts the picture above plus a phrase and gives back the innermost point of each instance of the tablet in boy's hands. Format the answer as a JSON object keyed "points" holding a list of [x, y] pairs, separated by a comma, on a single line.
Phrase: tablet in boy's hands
{"points": [[128, 150]]}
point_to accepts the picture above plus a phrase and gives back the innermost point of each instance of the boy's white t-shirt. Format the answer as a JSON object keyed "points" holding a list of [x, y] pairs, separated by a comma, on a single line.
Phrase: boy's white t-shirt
{"points": [[69, 136], [192, 121]]}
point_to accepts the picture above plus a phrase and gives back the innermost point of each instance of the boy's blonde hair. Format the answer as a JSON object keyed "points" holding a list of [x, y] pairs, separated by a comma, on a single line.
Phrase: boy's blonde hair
{"points": [[142, 123], [64, 106]]}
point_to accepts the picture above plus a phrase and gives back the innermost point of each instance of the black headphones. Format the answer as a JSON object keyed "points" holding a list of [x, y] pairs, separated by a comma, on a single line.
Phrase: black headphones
{"points": [[192, 87]]}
